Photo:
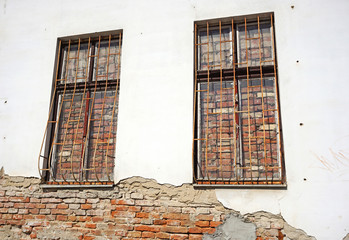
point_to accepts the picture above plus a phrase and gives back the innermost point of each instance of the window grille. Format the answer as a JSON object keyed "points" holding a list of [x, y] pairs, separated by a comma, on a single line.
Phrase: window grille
{"points": [[80, 135], [237, 130]]}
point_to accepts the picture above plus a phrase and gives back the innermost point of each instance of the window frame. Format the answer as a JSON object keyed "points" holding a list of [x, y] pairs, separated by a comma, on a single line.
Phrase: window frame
{"points": [[235, 73], [89, 84]]}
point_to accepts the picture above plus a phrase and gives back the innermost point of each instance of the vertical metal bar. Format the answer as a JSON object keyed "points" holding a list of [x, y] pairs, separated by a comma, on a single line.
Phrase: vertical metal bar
{"points": [[262, 94], [207, 95], [49, 114], [115, 102], [100, 120], [86, 111], [85, 144], [69, 115], [93, 100], [59, 113], [277, 99], [235, 92], [195, 96], [221, 98], [248, 100]]}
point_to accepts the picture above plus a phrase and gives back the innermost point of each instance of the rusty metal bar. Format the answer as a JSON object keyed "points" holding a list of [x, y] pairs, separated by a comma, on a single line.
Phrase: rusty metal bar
{"points": [[262, 90], [49, 114], [277, 99], [221, 98], [115, 100], [208, 94], [248, 101]]}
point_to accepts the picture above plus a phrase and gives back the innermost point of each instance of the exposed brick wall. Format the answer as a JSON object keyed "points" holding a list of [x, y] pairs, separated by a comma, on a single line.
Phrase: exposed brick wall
{"points": [[136, 208]]}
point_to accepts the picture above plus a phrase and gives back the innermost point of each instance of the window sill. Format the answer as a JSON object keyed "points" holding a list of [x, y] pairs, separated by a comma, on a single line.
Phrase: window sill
{"points": [[281, 186], [76, 185]]}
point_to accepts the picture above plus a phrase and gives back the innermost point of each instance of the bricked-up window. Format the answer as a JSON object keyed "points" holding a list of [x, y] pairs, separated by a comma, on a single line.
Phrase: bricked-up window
{"points": [[79, 142], [237, 129]]}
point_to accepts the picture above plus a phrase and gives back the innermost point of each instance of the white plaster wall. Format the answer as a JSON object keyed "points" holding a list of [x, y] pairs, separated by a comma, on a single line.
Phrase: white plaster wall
{"points": [[155, 117]]}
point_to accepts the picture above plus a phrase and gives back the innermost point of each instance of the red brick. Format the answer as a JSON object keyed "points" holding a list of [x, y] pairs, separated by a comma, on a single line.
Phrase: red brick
{"points": [[40, 206], [195, 230], [19, 199], [17, 217], [19, 205], [148, 234], [62, 206], [162, 235], [204, 217], [142, 215], [176, 216], [179, 236], [61, 218], [174, 229], [34, 211], [59, 211], [15, 222], [83, 218], [122, 208], [195, 237], [215, 224], [97, 219], [134, 209], [202, 223], [29, 205], [147, 228], [40, 217], [90, 225], [28, 216], [86, 206], [160, 222]]}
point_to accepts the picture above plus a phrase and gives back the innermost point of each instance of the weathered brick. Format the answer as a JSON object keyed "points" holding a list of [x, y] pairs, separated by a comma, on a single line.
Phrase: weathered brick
{"points": [[122, 202], [61, 218], [62, 206], [147, 228], [90, 225], [86, 206], [215, 223], [202, 223], [195, 237], [179, 236], [173, 229], [142, 215], [134, 234], [160, 222], [148, 234], [162, 235], [177, 216]]}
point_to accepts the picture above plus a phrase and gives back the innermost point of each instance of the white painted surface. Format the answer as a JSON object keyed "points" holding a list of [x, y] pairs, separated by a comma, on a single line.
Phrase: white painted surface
{"points": [[155, 117]]}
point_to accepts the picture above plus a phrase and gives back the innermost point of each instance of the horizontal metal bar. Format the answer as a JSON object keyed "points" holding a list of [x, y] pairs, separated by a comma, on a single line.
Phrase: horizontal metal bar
{"points": [[53, 186], [242, 184]]}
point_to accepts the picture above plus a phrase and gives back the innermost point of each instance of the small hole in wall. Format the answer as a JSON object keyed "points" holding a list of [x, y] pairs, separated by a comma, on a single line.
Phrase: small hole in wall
{"points": [[297, 61], [292, 7], [300, 124], [304, 179], [5, 102]]}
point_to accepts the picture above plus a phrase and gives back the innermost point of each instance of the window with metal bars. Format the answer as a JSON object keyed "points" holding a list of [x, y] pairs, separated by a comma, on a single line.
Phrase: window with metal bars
{"points": [[237, 129], [80, 135]]}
